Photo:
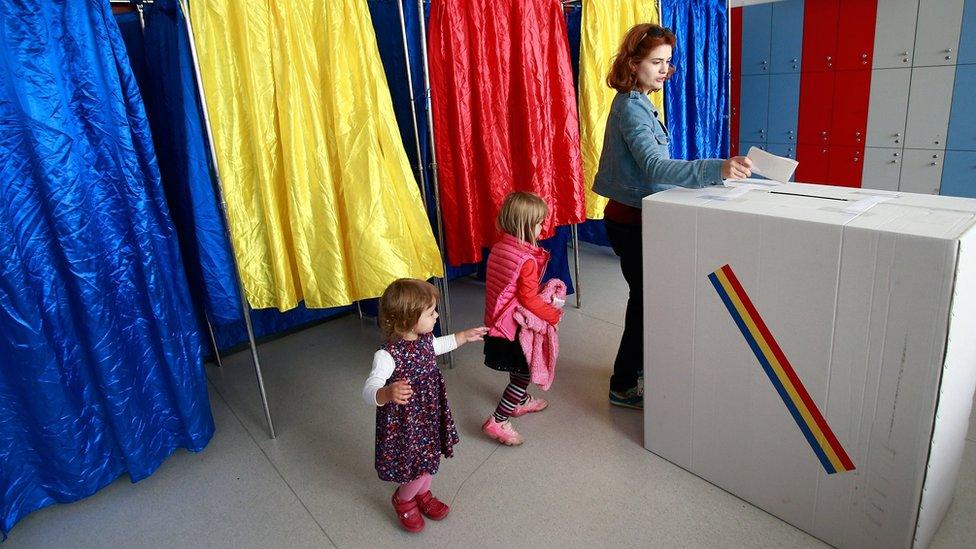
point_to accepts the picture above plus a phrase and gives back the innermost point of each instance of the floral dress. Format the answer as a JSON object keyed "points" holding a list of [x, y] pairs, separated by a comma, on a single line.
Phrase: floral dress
{"points": [[411, 437]]}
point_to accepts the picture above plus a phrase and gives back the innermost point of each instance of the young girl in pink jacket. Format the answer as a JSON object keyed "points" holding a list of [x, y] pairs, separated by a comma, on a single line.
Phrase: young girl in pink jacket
{"points": [[515, 266]]}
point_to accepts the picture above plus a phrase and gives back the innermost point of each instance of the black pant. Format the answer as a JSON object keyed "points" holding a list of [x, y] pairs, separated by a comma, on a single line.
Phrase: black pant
{"points": [[626, 242]]}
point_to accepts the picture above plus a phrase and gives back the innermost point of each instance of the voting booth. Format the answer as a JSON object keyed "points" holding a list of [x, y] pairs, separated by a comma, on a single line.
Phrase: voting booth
{"points": [[812, 350]]}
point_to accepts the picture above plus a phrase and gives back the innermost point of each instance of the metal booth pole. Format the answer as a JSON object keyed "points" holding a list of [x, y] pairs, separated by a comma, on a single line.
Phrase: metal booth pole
{"points": [[445, 291], [245, 308]]}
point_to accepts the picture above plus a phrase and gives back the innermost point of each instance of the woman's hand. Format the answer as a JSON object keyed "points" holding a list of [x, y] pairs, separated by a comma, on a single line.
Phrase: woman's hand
{"points": [[473, 334], [737, 167]]}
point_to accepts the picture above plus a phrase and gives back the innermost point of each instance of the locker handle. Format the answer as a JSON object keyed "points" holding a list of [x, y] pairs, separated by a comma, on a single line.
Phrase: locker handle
{"points": [[897, 154]]}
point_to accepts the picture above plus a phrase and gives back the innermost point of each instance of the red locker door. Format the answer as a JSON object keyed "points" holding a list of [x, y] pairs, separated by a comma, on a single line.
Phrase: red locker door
{"points": [[816, 98], [820, 22], [736, 71], [814, 164], [849, 120], [846, 165], [855, 46]]}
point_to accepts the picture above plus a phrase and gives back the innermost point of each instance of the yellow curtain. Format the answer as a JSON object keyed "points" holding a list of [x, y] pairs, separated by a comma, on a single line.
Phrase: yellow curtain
{"points": [[603, 28], [320, 197]]}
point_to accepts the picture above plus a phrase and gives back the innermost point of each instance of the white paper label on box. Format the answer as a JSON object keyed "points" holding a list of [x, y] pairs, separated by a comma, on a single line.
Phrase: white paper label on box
{"points": [[728, 193], [865, 204]]}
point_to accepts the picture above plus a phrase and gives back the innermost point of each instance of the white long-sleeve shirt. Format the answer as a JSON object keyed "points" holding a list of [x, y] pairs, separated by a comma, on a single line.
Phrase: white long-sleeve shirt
{"points": [[383, 366]]}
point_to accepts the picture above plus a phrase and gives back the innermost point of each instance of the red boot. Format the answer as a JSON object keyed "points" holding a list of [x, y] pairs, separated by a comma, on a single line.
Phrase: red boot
{"points": [[432, 507], [409, 514]]}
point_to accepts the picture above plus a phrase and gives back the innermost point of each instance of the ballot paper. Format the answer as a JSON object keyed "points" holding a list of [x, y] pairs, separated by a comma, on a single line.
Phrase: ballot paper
{"points": [[771, 166]]}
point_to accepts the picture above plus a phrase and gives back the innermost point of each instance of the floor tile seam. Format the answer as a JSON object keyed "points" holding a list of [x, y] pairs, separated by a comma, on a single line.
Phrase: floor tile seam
{"points": [[476, 469], [270, 461]]}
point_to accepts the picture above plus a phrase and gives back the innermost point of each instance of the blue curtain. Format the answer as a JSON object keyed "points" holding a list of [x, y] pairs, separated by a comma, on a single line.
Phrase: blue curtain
{"points": [[386, 22], [696, 101], [592, 230], [164, 71], [101, 372]]}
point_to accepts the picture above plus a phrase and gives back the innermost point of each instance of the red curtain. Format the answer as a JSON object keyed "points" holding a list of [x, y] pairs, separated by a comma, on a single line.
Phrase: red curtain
{"points": [[505, 115]]}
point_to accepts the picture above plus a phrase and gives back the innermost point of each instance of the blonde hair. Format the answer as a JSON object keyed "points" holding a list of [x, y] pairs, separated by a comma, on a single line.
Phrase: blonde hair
{"points": [[402, 303], [520, 213]]}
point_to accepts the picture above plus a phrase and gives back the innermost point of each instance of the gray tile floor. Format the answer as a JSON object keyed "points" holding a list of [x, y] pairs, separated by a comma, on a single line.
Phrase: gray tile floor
{"points": [[581, 479]]}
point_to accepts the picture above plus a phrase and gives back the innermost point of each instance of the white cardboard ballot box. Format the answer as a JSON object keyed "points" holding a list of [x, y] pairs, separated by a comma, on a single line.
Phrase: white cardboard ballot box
{"points": [[812, 350]]}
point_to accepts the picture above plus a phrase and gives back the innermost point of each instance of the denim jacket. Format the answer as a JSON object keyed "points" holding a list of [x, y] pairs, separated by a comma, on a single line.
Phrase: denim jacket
{"points": [[636, 159]]}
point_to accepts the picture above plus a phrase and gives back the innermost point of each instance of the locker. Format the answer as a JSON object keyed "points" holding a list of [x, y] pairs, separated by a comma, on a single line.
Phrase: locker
{"points": [[787, 150], [921, 171], [882, 168], [962, 118], [744, 146], [849, 119], [787, 37], [756, 36], [894, 36], [959, 174], [967, 37], [888, 107], [820, 34], [753, 108], [816, 96], [845, 166], [937, 32], [784, 108], [855, 31], [929, 102], [814, 163]]}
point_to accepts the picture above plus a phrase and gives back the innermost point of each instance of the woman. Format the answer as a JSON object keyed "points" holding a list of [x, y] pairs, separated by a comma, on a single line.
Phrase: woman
{"points": [[636, 162]]}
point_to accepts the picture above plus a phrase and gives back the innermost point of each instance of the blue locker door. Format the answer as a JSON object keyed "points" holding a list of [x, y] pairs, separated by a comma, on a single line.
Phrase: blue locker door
{"points": [[753, 108], [787, 36], [962, 117], [967, 38], [756, 29], [959, 174], [784, 108]]}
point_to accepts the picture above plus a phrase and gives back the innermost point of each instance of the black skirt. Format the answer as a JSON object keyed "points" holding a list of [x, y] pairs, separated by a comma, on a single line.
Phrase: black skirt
{"points": [[504, 355]]}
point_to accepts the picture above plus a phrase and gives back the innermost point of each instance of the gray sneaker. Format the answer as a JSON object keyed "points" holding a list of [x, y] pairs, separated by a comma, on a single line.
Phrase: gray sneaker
{"points": [[631, 398]]}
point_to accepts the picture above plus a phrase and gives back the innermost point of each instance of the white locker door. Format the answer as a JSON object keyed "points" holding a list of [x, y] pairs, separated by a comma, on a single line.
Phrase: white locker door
{"points": [[894, 33], [882, 168], [929, 103], [937, 32], [888, 107], [921, 171]]}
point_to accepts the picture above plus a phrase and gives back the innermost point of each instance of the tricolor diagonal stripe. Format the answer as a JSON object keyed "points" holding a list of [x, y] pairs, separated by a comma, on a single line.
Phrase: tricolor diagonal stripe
{"points": [[774, 362]]}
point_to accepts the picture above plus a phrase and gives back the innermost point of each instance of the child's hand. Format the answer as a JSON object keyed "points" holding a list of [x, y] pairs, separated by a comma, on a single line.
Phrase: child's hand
{"points": [[399, 392], [473, 334], [558, 302]]}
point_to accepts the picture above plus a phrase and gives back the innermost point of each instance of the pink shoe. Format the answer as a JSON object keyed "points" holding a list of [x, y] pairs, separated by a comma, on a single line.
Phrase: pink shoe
{"points": [[534, 404], [502, 432]]}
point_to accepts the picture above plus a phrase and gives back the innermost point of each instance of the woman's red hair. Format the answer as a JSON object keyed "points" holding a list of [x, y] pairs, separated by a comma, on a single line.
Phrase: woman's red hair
{"points": [[636, 46]]}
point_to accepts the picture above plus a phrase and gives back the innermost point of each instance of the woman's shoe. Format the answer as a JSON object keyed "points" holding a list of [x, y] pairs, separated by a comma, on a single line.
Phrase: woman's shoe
{"points": [[631, 398]]}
